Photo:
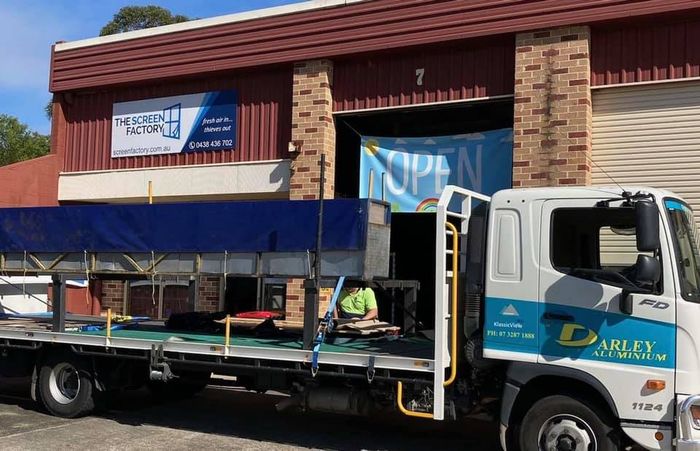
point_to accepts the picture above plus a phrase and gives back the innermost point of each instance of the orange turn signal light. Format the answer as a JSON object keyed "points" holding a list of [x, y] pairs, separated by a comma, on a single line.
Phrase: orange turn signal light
{"points": [[655, 384], [659, 436]]}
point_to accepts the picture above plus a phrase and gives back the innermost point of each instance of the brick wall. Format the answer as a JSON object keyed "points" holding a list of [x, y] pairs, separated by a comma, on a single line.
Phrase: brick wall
{"points": [[295, 300], [113, 296], [313, 130], [553, 114], [209, 294], [208, 300]]}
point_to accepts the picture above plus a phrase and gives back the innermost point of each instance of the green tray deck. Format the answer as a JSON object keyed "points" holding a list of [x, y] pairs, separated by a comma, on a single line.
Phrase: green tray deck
{"points": [[401, 346]]}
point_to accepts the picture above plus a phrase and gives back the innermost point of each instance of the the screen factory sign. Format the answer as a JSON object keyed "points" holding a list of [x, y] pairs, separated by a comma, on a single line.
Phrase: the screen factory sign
{"points": [[166, 125]]}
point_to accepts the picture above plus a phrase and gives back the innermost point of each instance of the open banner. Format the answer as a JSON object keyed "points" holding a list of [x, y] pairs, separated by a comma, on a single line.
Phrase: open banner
{"points": [[414, 171]]}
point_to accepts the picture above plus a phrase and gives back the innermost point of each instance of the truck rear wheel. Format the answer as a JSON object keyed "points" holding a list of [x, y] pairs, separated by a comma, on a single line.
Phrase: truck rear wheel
{"points": [[66, 388], [561, 423]]}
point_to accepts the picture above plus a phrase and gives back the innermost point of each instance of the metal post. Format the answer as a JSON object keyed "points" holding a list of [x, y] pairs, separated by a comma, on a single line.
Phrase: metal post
{"points": [[260, 293], [383, 186], [109, 323], [161, 288], [312, 297], [319, 229], [441, 355], [228, 334], [58, 300], [95, 287], [310, 315], [410, 311]]}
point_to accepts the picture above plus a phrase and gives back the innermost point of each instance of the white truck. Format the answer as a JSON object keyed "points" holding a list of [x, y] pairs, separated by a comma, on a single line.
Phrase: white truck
{"points": [[570, 315]]}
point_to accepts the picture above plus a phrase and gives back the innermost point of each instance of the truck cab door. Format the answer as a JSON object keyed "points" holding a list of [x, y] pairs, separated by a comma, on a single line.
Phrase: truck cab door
{"points": [[584, 251]]}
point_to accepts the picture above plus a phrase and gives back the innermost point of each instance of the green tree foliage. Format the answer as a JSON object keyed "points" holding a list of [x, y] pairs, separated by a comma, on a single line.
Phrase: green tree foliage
{"points": [[48, 110], [18, 143], [132, 18]]}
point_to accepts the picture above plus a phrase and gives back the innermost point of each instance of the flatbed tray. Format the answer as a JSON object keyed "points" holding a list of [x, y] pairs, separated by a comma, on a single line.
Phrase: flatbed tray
{"points": [[398, 346], [401, 353]]}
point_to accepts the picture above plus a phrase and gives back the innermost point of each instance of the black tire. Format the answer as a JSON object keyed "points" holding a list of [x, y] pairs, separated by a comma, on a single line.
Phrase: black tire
{"points": [[565, 421], [66, 387]]}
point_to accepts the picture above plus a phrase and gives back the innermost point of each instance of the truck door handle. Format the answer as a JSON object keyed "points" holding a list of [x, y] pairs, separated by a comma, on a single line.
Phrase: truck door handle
{"points": [[558, 316]]}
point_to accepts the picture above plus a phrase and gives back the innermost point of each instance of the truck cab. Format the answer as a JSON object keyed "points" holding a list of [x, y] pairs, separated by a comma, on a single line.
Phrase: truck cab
{"points": [[591, 300]]}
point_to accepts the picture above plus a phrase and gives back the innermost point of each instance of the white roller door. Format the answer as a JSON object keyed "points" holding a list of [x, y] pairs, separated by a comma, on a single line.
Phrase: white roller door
{"points": [[648, 135]]}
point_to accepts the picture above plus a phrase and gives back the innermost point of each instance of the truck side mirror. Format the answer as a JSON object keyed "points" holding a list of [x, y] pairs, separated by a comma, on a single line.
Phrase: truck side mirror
{"points": [[647, 225], [648, 270]]}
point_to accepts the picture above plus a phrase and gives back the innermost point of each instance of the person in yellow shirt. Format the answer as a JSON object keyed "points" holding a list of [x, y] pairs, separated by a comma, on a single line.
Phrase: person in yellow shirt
{"points": [[357, 303]]}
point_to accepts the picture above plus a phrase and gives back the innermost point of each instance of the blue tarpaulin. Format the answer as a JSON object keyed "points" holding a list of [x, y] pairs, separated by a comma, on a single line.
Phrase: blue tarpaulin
{"points": [[259, 226]]}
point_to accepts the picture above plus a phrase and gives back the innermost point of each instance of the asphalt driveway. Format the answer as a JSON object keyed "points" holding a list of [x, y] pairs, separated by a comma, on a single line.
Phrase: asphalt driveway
{"points": [[223, 418]]}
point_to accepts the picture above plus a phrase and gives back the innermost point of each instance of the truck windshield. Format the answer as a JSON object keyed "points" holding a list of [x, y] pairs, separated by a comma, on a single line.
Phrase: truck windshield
{"points": [[685, 237]]}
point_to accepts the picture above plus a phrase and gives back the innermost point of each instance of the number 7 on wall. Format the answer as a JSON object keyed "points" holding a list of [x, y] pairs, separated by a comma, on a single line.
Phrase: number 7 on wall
{"points": [[420, 73]]}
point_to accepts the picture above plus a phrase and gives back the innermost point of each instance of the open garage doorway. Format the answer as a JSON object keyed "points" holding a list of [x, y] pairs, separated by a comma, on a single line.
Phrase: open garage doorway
{"points": [[413, 234]]}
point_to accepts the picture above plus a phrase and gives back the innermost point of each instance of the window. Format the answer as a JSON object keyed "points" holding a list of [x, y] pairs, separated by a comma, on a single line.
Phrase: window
{"points": [[685, 237], [618, 247], [162, 299], [247, 294], [596, 243], [274, 294], [507, 265]]}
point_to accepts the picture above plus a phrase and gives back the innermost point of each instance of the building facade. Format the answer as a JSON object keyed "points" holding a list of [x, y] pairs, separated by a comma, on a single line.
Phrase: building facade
{"points": [[595, 92]]}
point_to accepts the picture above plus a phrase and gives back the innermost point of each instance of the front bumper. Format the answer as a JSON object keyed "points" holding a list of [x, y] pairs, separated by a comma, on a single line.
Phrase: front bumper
{"points": [[688, 435], [688, 445]]}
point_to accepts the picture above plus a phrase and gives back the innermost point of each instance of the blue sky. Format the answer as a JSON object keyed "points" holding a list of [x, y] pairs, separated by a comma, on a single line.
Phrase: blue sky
{"points": [[29, 27]]}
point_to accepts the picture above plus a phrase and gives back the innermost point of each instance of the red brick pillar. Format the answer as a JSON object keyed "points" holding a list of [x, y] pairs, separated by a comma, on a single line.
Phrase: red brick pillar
{"points": [[313, 131], [553, 114], [209, 295], [113, 296]]}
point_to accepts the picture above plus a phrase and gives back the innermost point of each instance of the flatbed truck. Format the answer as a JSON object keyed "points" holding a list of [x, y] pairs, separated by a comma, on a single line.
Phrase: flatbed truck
{"points": [[568, 315]]}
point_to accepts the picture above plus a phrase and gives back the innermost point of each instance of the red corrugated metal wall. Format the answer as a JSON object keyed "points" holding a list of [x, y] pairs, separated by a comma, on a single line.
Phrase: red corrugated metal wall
{"points": [[465, 70], [329, 33], [645, 51], [264, 121]]}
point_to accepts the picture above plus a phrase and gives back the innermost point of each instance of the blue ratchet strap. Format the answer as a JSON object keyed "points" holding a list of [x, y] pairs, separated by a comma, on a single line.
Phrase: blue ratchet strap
{"points": [[325, 326]]}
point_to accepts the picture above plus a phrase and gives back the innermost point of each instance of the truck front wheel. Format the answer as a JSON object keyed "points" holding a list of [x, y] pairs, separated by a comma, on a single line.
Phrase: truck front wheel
{"points": [[65, 387], [561, 423]]}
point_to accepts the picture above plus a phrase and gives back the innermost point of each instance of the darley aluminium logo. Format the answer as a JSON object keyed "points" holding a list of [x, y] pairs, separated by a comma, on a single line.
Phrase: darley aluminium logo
{"points": [[166, 124], [619, 349]]}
